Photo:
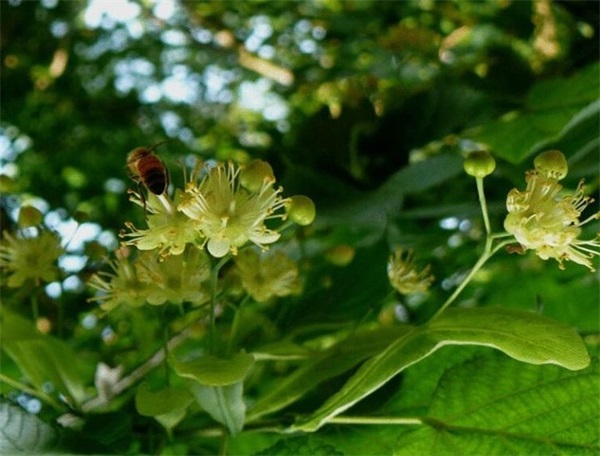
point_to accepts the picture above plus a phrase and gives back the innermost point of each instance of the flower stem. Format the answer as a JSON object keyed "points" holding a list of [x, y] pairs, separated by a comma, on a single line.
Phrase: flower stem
{"points": [[166, 349], [35, 309], [214, 278], [488, 252], [235, 325], [379, 420], [483, 204], [39, 394]]}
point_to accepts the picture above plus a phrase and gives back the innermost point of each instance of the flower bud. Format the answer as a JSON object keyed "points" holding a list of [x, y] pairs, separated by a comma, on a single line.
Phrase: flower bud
{"points": [[301, 210], [340, 255], [29, 216], [254, 174], [479, 164], [552, 164]]}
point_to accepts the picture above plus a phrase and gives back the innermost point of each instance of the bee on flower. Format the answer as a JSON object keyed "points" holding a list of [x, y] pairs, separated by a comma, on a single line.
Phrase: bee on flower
{"points": [[542, 220], [169, 231]]}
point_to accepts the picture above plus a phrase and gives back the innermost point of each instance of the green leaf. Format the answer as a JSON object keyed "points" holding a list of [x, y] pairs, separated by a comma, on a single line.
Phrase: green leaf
{"points": [[300, 445], [223, 403], [334, 361], [493, 405], [522, 335], [41, 358], [552, 109], [213, 371], [154, 403], [22, 432]]}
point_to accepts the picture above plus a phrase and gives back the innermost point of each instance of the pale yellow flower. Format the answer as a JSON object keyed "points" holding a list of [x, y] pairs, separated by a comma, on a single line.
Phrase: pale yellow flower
{"points": [[30, 258], [229, 215], [404, 276], [154, 280], [541, 220], [176, 279], [267, 274], [121, 287], [169, 231]]}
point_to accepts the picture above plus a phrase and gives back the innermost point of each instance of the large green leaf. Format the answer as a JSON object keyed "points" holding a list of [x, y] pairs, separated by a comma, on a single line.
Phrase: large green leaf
{"points": [[552, 109], [41, 358], [224, 403], [493, 405], [155, 403], [335, 361], [23, 433], [213, 371], [522, 335]]}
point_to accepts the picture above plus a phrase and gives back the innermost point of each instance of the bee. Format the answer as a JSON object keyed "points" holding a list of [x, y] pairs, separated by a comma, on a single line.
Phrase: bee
{"points": [[146, 168]]}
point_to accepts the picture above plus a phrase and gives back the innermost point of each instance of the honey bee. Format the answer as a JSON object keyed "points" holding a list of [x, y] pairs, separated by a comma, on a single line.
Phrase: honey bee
{"points": [[146, 168]]}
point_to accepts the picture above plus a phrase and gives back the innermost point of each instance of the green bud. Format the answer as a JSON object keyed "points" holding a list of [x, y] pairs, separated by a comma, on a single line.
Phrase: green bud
{"points": [[301, 210], [479, 164], [29, 216], [551, 163], [254, 174], [340, 255]]}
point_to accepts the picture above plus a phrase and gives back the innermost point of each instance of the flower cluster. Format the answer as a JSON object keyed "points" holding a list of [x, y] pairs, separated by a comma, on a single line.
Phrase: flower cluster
{"points": [[224, 208], [404, 276], [547, 223], [133, 282], [30, 258]]}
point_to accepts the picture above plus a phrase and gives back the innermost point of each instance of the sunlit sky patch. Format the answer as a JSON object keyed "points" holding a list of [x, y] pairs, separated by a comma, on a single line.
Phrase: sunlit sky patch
{"points": [[182, 85]]}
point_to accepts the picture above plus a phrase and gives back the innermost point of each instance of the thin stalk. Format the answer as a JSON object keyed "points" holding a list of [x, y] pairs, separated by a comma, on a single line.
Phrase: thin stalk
{"points": [[483, 204], [166, 351], [39, 394], [35, 308], [379, 420], [488, 252], [235, 325], [139, 373], [224, 441], [214, 278]]}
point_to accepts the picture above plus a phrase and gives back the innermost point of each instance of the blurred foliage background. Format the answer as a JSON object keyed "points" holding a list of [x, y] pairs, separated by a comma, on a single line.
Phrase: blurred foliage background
{"points": [[365, 106]]}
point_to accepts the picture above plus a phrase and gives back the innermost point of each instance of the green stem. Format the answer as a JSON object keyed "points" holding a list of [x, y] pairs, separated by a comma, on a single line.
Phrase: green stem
{"points": [[35, 308], [488, 252], [39, 394], [61, 312], [483, 204], [214, 278], [224, 441], [379, 420], [235, 325], [166, 350]]}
